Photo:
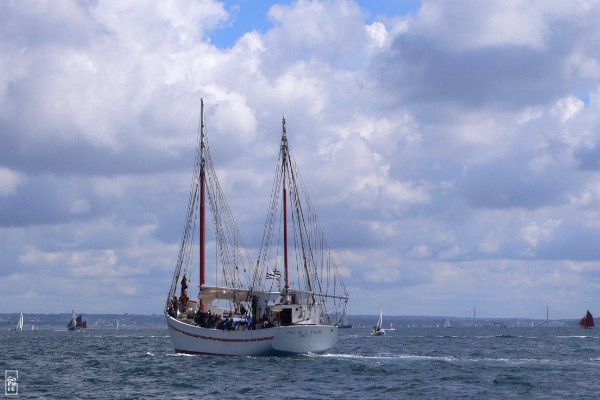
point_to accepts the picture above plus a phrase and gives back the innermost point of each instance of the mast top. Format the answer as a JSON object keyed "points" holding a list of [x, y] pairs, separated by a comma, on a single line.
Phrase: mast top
{"points": [[202, 136], [284, 144]]}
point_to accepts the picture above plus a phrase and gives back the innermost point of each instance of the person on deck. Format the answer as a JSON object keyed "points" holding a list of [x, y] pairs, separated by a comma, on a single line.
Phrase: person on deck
{"points": [[171, 310], [183, 300], [175, 303], [184, 284]]}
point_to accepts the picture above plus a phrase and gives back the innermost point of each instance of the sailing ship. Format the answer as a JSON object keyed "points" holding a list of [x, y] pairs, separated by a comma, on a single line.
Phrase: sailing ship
{"points": [[377, 330], [447, 324], [72, 323], [587, 321], [76, 323], [249, 310], [19, 326]]}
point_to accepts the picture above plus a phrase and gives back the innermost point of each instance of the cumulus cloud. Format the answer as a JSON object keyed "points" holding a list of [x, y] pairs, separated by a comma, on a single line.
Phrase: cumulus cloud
{"points": [[9, 181], [452, 150]]}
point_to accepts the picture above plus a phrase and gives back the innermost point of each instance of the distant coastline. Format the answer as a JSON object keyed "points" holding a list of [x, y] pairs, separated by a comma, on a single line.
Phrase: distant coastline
{"points": [[157, 320], [94, 320]]}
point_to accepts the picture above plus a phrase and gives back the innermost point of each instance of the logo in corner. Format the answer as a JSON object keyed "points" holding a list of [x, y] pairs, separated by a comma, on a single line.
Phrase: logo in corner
{"points": [[11, 386]]}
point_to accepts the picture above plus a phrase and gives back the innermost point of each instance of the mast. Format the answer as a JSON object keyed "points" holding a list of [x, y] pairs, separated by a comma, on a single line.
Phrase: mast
{"points": [[284, 150], [202, 202]]}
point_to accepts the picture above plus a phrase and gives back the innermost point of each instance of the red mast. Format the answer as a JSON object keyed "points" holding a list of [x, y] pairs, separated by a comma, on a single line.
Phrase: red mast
{"points": [[202, 218], [284, 150]]}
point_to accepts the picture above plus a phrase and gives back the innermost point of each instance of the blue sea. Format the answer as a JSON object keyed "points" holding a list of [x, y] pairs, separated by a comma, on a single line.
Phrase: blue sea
{"points": [[480, 362]]}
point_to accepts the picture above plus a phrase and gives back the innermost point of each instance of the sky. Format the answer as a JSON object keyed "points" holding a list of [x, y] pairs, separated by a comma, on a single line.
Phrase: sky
{"points": [[450, 148]]}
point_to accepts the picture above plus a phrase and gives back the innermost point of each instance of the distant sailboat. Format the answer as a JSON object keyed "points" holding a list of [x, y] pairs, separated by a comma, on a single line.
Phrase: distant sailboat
{"points": [[80, 324], [76, 323], [71, 325], [447, 324], [19, 326], [377, 331], [117, 324], [587, 321]]}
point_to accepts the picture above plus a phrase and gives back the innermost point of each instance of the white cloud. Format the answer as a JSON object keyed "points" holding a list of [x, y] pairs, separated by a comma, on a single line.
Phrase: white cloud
{"points": [[9, 181], [421, 251], [377, 34], [148, 24], [465, 25], [568, 107], [454, 151], [535, 233], [79, 206]]}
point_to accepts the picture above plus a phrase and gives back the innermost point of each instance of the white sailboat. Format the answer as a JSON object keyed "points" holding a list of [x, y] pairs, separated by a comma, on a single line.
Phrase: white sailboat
{"points": [[72, 324], [249, 312], [447, 324], [117, 324], [377, 329], [76, 323], [19, 326]]}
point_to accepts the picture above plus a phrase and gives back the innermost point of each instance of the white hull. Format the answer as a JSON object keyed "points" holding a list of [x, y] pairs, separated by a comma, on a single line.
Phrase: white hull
{"points": [[298, 339], [295, 339]]}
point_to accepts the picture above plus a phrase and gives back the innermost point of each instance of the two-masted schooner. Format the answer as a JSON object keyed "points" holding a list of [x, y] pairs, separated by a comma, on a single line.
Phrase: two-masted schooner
{"points": [[76, 323], [284, 303]]}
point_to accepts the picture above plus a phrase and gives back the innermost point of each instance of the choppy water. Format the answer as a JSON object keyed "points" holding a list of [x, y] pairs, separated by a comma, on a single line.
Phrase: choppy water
{"points": [[409, 362]]}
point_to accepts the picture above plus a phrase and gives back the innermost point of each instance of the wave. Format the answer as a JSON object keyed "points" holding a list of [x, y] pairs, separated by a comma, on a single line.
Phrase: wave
{"points": [[445, 358], [577, 337], [180, 355]]}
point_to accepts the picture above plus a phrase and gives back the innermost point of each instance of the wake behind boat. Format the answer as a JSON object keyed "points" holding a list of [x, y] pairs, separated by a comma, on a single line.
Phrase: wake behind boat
{"points": [[249, 310]]}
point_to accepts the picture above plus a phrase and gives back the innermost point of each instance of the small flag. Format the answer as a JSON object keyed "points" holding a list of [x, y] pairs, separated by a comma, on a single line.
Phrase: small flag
{"points": [[273, 274]]}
